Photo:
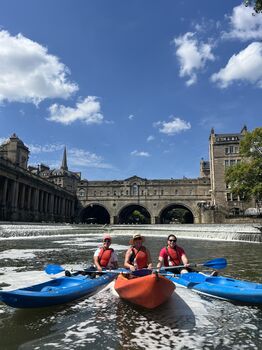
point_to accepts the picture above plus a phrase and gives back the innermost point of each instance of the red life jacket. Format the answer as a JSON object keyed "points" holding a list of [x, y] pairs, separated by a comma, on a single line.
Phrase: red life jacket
{"points": [[140, 256], [104, 256], [174, 256]]}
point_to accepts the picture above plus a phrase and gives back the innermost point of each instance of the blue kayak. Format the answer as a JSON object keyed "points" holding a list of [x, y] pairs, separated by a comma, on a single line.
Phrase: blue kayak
{"points": [[56, 291], [220, 287]]}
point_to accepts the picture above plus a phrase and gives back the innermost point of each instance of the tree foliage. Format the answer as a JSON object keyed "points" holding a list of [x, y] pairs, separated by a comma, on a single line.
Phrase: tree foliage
{"points": [[257, 5], [245, 178]]}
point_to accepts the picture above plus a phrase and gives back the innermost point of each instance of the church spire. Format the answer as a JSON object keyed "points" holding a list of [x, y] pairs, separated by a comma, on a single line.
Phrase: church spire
{"points": [[64, 161]]}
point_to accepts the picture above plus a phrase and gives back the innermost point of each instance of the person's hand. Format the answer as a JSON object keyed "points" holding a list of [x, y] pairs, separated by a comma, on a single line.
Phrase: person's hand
{"points": [[132, 268], [99, 268], [186, 265], [150, 266]]}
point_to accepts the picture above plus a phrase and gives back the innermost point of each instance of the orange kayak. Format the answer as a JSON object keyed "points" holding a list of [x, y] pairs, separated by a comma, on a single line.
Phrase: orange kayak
{"points": [[148, 291]]}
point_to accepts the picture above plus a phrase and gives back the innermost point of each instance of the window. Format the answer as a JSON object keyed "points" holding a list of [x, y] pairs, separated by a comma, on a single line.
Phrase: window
{"points": [[226, 163], [134, 190], [228, 197]]}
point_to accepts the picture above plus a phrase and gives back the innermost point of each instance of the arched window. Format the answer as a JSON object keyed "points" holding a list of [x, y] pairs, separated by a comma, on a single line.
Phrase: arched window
{"points": [[134, 190]]}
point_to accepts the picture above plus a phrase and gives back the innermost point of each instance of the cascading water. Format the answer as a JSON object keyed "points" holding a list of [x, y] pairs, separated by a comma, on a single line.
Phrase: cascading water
{"points": [[236, 232]]}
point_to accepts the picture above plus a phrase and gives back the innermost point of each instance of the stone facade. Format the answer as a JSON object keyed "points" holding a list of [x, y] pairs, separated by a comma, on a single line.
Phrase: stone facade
{"points": [[153, 196], [25, 196], [40, 193], [224, 152]]}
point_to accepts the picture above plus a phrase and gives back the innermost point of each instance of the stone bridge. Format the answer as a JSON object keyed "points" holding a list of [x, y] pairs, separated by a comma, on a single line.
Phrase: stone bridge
{"points": [[111, 202]]}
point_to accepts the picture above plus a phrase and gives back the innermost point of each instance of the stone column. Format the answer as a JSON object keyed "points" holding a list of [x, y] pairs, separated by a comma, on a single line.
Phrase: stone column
{"points": [[41, 201], [3, 199], [52, 202], [29, 198], [23, 197], [14, 198]]}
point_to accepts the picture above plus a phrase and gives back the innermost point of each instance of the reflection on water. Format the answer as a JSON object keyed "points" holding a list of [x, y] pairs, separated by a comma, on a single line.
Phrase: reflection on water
{"points": [[103, 321]]}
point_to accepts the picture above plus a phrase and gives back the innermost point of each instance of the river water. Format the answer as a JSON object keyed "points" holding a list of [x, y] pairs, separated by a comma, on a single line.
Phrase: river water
{"points": [[103, 321]]}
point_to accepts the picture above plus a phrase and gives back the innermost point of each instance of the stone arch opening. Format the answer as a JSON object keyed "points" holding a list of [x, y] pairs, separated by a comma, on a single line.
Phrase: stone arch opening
{"points": [[95, 214], [176, 214], [134, 214]]}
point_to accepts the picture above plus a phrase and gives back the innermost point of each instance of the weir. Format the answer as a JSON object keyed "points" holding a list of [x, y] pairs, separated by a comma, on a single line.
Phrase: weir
{"points": [[245, 233]]}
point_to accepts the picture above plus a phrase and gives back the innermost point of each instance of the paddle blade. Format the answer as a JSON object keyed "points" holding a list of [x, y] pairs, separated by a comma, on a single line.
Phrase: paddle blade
{"points": [[219, 263], [53, 269]]}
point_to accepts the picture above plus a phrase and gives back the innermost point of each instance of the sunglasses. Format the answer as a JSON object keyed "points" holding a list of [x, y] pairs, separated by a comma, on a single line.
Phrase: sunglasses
{"points": [[107, 240], [138, 239], [172, 240]]}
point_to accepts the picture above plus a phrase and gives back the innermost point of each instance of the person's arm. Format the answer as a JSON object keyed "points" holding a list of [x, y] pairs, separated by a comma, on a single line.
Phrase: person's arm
{"points": [[127, 263], [149, 260], [115, 261], [185, 260], [96, 261], [160, 262]]}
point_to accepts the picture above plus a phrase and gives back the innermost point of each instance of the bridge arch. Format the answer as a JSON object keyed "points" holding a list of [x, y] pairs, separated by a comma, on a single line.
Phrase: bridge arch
{"points": [[94, 214], [134, 214], [176, 213]]}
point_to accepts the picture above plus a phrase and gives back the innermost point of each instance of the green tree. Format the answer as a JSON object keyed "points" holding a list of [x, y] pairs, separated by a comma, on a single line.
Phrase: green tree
{"points": [[257, 5], [137, 217], [245, 178]]}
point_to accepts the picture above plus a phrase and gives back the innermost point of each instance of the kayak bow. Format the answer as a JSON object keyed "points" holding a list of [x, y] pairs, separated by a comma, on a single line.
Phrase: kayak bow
{"points": [[220, 287], [57, 291], [148, 291]]}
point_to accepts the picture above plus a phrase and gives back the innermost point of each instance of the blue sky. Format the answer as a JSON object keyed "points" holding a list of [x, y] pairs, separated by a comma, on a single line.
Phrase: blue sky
{"points": [[129, 87]]}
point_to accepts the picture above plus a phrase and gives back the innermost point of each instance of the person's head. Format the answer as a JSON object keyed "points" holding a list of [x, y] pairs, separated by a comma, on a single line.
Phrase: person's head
{"points": [[107, 240], [137, 240], [171, 240]]}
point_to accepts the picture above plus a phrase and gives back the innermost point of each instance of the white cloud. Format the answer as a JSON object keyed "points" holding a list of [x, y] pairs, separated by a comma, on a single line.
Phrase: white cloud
{"points": [[81, 158], [3, 140], [28, 73], [244, 25], [150, 138], [245, 66], [131, 117], [37, 149], [172, 127], [192, 56], [140, 153], [87, 111], [76, 157]]}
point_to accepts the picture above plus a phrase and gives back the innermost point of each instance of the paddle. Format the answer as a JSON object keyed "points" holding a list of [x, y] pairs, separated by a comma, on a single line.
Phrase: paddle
{"points": [[217, 264], [54, 269]]}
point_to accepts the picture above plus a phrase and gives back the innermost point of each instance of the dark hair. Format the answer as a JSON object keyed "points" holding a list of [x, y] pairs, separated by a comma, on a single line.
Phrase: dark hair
{"points": [[172, 235]]}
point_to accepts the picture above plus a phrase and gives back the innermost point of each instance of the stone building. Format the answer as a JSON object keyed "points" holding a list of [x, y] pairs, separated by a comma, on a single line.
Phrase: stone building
{"points": [[61, 177], [40, 193], [25, 196], [224, 152]]}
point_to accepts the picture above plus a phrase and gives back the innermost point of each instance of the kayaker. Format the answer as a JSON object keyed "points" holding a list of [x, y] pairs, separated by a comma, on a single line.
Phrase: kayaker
{"points": [[173, 255], [137, 256], [104, 256]]}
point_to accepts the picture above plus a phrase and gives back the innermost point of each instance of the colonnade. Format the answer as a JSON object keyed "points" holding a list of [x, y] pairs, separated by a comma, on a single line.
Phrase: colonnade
{"points": [[27, 200]]}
